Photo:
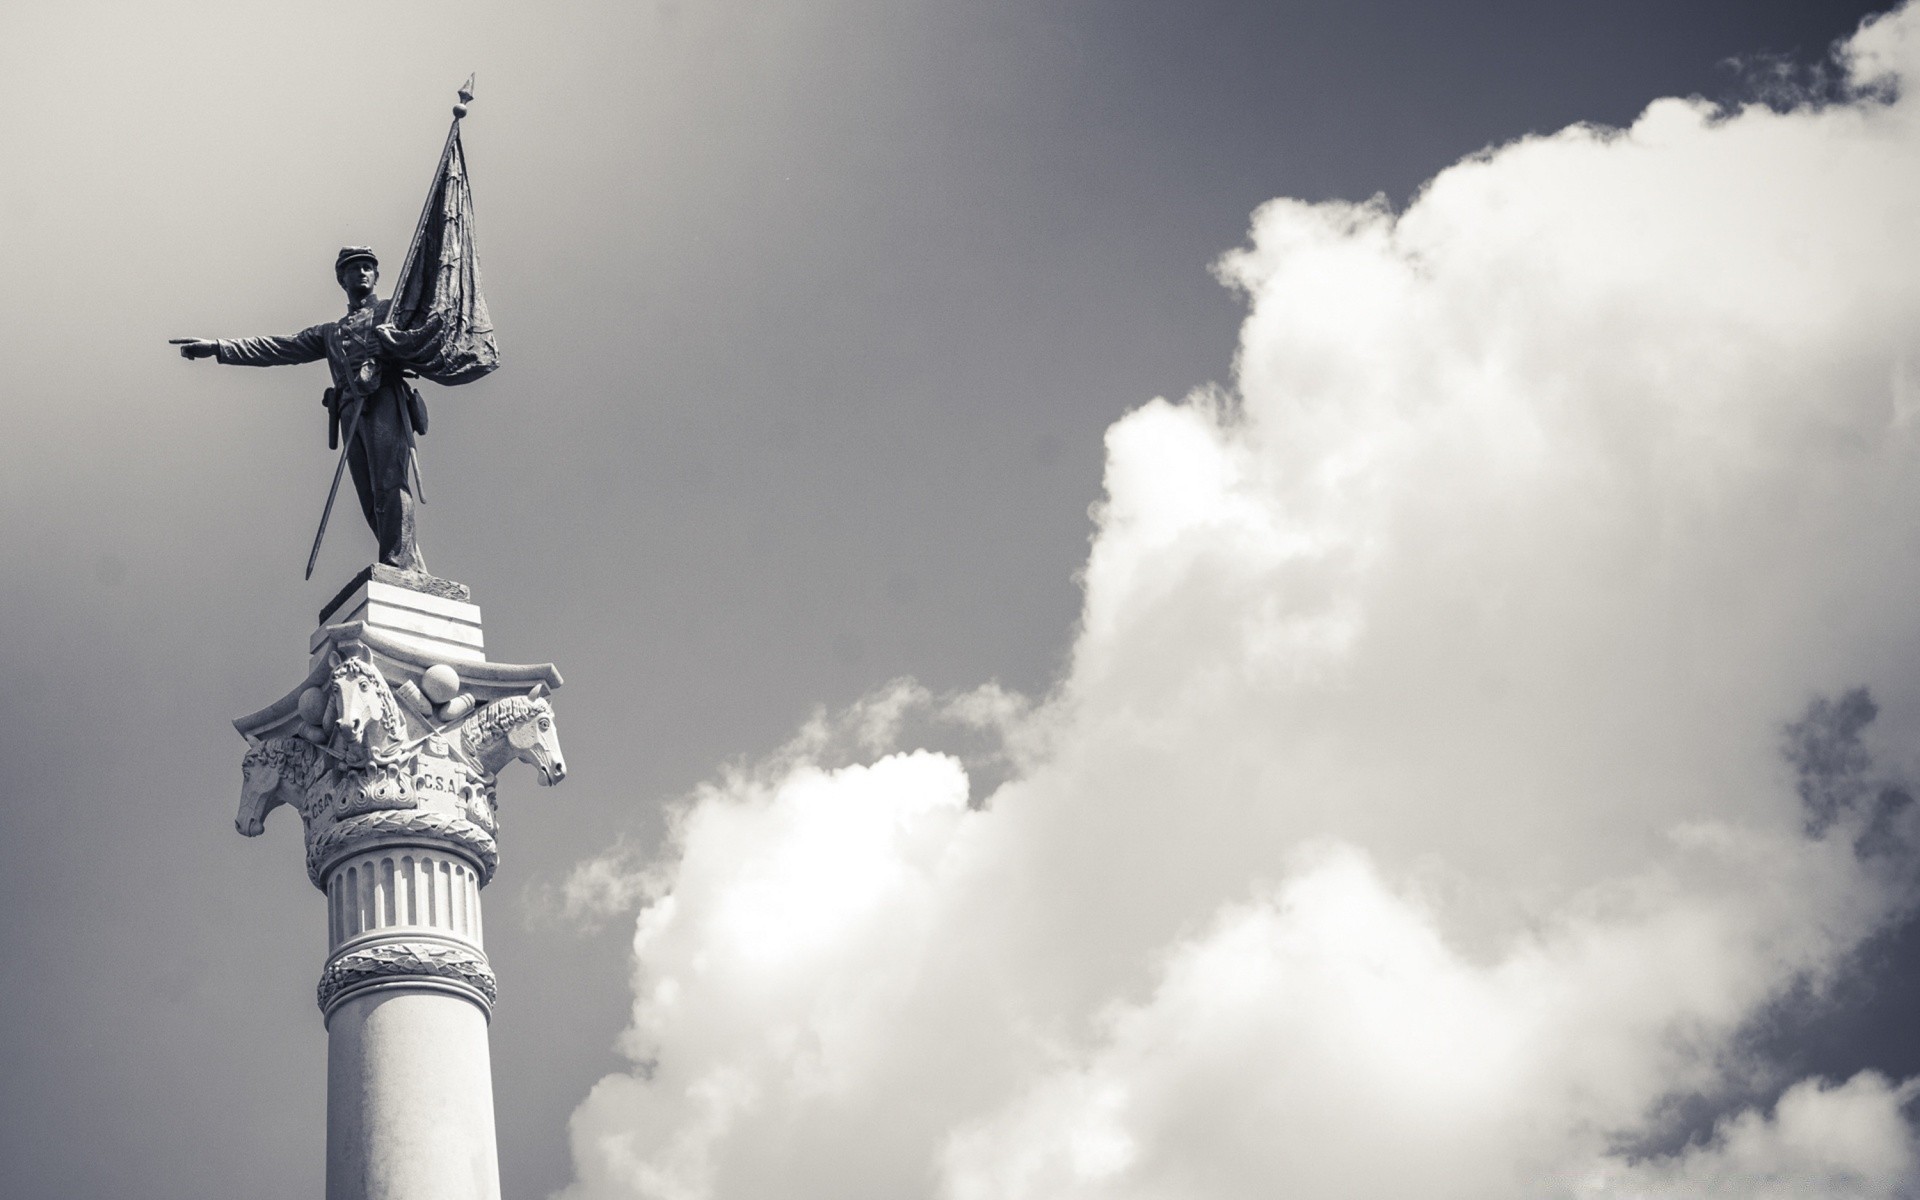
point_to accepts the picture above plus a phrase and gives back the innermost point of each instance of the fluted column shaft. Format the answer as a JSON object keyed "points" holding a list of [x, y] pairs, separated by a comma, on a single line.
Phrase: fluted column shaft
{"points": [[407, 992]]}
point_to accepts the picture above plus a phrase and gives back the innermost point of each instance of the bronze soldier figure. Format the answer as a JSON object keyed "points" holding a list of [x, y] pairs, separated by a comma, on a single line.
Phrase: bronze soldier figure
{"points": [[360, 349]]}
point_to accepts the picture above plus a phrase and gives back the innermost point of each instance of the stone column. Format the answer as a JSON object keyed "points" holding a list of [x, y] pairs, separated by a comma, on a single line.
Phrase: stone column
{"points": [[406, 995], [390, 751]]}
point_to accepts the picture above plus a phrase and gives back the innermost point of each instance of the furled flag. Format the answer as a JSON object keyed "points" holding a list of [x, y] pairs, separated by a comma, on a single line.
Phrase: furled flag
{"points": [[443, 330]]}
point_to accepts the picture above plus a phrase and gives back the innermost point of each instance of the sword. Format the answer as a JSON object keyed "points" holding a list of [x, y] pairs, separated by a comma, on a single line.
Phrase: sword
{"points": [[346, 448]]}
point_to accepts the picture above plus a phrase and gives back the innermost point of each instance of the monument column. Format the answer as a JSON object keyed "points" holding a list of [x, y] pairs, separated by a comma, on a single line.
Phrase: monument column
{"points": [[390, 750], [391, 746]]}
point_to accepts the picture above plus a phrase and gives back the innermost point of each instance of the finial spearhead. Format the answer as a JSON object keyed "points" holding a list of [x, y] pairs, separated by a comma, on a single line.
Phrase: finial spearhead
{"points": [[466, 98]]}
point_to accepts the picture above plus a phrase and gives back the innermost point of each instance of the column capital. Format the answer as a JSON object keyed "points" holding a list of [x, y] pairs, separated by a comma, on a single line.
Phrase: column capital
{"points": [[399, 731]]}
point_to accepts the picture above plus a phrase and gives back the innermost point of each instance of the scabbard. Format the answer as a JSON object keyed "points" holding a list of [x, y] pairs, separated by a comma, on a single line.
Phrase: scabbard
{"points": [[416, 410], [332, 401]]}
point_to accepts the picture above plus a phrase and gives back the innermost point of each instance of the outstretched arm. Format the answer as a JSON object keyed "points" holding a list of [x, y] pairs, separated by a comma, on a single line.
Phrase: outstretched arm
{"points": [[309, 345]]}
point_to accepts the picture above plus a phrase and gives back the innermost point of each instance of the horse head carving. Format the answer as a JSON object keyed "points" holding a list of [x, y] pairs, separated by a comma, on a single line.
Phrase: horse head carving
{"points": [[362, 717], [275, 772], [513, 727]]}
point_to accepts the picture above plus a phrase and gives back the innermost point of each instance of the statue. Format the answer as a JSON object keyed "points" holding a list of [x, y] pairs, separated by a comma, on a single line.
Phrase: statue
{"points": [[434, 327], [360, 351]]}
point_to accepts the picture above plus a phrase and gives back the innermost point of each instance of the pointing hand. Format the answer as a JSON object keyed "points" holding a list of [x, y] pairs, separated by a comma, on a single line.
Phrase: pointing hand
{"points": [[195, 347]]}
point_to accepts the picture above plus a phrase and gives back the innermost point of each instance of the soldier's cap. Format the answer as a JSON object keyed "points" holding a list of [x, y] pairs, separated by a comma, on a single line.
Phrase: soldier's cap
{"points": [[353, 254]]}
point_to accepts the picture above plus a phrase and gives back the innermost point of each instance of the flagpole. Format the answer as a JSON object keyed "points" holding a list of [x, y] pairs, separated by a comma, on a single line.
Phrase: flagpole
{"points": [[406, 265]]}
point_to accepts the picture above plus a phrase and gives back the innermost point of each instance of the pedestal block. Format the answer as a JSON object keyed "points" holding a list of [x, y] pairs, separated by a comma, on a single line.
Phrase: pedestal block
{"points": [[441, 623], [390, 750]]}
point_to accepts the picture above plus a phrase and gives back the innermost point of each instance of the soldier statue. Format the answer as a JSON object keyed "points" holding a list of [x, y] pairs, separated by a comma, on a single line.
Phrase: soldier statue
{"points": [[435, 327], [360, 348]]}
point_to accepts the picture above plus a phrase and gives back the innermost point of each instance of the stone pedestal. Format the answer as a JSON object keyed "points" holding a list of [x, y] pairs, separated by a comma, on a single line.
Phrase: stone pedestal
{"points": [[390, 750], [439, 622]]}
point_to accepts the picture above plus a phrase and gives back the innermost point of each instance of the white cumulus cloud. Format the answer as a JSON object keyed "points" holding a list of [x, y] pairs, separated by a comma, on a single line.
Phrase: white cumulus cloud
{"points": [[1412, 817]]}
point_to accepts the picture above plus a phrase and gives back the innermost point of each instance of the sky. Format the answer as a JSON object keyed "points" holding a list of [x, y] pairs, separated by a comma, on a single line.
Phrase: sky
{"points": [[1155, 599]]}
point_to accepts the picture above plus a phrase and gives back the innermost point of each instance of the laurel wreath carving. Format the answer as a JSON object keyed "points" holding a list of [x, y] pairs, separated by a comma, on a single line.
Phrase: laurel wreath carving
{"points": [[427, 823], [411, 960]]}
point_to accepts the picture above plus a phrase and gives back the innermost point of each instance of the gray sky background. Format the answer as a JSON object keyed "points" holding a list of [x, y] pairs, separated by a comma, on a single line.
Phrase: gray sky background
{"points": [[813, 318]]}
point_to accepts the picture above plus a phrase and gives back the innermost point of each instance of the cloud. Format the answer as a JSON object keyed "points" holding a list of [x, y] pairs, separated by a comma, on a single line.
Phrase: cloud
{"points": [[1412, 816], [1845, 1140]]}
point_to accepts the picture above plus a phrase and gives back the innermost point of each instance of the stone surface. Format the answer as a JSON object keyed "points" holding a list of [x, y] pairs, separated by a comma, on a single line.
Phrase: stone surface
{"points": [[397, 801], [469, 838], [408, 963], [440, 682], [434, 626], [414, 645], [486, 681], [413, 581], [362, 768], [313, 705], [410, 1099]]}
